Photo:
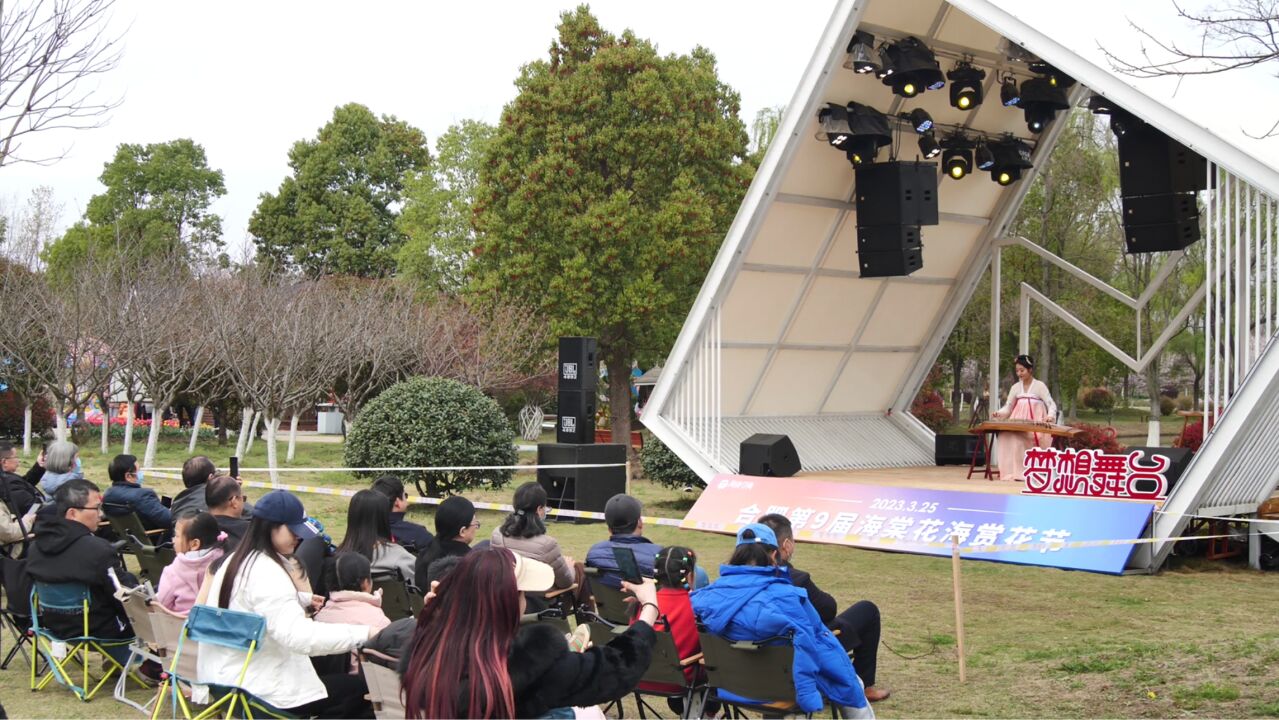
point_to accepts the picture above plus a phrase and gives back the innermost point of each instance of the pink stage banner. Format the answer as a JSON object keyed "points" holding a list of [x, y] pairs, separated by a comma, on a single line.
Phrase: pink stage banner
{"points": [[920, 520]]}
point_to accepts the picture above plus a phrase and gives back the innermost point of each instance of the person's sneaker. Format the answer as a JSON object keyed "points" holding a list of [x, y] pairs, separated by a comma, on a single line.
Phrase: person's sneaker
{"points": [[875, 694], [151, 672]]}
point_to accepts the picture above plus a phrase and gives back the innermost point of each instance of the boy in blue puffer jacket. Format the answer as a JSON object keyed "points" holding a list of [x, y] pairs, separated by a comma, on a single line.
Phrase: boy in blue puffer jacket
{"points": [[754, 600]]}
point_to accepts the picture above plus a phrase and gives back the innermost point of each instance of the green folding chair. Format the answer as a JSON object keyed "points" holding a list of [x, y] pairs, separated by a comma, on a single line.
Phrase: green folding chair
{"points": [[754, 676], [60, 654]]}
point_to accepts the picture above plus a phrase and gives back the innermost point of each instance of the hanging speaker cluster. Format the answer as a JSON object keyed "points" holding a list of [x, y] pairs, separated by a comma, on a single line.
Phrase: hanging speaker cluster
{"points": [[894, 200]]}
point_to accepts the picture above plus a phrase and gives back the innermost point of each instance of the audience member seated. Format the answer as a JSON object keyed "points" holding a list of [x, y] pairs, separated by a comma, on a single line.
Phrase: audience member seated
{"points": [[351, 597], [65, 550], [61, 463], [259, 578], [494, 667], [623, 515], [394, 639], [524, 533], [126, 495], [35, 473], [198, 543], [754, 600], [368, 532], [196, 472], [224, 496], [15, 493], [858, 625], [410, 535], [455, 527]]}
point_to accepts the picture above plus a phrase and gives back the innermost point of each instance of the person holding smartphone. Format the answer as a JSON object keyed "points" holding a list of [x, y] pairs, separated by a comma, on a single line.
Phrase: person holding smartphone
{"points": [[624, 516]]}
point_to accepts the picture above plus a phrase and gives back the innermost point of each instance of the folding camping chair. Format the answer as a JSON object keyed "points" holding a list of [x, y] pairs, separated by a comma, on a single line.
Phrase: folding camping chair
{"points": [[384, 684], [224, 628], [72, 600], [399, 599], [147, 643], [15, 612], [755, 676]]}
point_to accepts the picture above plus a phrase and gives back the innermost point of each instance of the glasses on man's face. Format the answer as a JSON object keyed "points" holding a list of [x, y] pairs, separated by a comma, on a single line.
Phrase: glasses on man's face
{"points": [[8, 458], [87, 508], [475, 525]]}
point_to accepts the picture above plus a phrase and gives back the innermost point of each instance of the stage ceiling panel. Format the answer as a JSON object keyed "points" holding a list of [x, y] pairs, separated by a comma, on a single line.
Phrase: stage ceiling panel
{"points": [[868, 383], [740, 367], [913, 17], [899, 317], [758, 305], [792, 235], [819, 170], [842, 255], [832, 311], [788, 388]]}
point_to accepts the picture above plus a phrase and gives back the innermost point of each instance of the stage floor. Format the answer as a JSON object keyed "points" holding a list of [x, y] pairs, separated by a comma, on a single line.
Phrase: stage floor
{"points": [[946, 477]]}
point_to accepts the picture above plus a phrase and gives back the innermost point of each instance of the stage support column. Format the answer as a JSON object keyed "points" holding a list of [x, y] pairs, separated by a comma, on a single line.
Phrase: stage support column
{"points": [[1023, 329], [995, 293]]}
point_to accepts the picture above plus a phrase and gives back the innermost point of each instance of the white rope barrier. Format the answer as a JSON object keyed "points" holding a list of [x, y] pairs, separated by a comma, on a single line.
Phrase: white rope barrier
{"points": [[517, 468]]}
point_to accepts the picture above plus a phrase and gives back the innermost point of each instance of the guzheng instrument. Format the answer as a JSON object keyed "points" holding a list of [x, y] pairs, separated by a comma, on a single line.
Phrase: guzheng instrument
{"points": [[1026, 426]]}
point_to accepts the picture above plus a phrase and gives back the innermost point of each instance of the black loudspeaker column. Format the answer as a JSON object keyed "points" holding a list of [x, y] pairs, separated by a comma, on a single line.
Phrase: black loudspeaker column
{"points": [[1158, 179], [1178, 459], [576, 420], [893, 200], [581, 488], [579, 369], [958, 449], [768, 455]]}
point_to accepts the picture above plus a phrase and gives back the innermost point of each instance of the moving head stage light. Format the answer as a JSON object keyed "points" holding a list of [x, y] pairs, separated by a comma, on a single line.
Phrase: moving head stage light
{"points": [[859, 130], [910, 68]]}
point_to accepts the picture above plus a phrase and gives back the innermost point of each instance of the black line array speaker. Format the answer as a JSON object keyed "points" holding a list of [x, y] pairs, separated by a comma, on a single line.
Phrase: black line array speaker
{"points": [[581, 488], [893, 200], [576, 420], [1153, 209], [768, 455], [1178, 459], [958, 449], [1161, 237], [579, 369], [1151, 163]]}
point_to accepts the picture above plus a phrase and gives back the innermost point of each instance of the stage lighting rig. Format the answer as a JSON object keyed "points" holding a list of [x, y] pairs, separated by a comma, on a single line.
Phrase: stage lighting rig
{"points": [[862, 56], [1042, 100], [1100, 105], [1009, 95], [859, 130], [928, 146], [965, 86], [919, 119], [984, 157], [1011, 156], [911, 68], [957, 161]]}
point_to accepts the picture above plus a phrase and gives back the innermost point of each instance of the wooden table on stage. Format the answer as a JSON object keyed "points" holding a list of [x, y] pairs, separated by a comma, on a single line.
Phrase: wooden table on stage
{"points": [[987, 432]]}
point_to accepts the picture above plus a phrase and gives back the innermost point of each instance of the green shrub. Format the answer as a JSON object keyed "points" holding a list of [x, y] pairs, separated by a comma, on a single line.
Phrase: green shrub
{"points": [[1185, 402], [930, 409], [434, 422], [12, 411], [1099, 399], [661, 464], [1166, 405]]}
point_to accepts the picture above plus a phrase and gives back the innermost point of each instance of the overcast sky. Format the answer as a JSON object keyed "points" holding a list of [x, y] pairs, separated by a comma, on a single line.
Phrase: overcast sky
{"points": [[246, 79]]}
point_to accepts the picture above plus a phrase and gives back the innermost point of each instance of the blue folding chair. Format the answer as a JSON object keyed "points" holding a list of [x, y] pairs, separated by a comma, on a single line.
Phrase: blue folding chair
{"points": [[224, 628], [70, 600]]}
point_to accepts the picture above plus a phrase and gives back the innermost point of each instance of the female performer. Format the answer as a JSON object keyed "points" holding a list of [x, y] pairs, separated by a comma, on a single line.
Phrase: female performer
{"points": [[1028, 399]]}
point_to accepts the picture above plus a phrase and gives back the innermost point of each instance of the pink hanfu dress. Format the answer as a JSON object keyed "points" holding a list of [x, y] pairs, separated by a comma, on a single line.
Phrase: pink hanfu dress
{"points": [[1033, 403]]}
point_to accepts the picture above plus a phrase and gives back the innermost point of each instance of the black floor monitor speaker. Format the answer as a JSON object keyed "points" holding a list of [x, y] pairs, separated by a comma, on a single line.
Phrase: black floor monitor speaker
{"points": [[581, 488], [958, 449], [894, 263], [897, 193], [1161, 237], [576, 421], [1151, 163], [1178, 459], [768, 455], [579, 369]]}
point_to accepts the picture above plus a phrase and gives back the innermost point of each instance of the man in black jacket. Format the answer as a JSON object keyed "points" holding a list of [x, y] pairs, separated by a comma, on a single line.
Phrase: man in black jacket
{"points": [[858, 625], [66, 550], [14, 490]]}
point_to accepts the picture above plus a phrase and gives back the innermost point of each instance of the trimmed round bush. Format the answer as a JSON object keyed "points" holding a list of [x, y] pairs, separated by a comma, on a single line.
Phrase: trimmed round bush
{"points": [[434, 422], [1166, 405], [661, 464], [1099, 399]]}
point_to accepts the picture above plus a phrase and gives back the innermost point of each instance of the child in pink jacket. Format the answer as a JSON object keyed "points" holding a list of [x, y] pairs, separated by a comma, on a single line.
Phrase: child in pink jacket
{"points": [[198, 542], [353, 602]]}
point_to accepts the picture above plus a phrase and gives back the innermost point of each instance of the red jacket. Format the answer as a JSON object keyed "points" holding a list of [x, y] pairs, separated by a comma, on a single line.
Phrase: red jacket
{"points": [[677, 619]]}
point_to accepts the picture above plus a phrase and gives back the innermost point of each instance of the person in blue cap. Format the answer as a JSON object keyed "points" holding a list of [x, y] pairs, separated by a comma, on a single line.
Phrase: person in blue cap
{"points": [[754, 600]]}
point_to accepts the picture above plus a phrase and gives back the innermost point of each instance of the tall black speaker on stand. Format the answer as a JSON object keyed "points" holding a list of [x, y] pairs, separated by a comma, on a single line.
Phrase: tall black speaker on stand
{"points": [[578, 382], [893, 200]]}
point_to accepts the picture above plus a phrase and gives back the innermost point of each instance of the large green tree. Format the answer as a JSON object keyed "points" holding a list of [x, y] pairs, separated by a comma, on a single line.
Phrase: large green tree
{"points": [[437, 211], [336, 213], [156, 202], [611, 181]]}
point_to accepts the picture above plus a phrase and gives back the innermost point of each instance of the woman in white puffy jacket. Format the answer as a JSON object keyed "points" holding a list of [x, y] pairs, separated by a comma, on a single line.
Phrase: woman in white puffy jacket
{"points": [[259, 578]]}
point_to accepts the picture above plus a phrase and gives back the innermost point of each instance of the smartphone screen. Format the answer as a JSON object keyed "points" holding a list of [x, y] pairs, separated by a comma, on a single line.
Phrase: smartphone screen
{"points": [[626, 564], [235, 466]]}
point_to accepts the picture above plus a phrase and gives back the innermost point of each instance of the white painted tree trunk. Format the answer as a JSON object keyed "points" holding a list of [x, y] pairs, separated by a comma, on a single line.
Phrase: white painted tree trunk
{"points": [[253, 433], [195, 429], [293, 437], [128, 427], [272, 456], [153, 437], [61, 431], [242, 437], [106, 432], [26, 430]]}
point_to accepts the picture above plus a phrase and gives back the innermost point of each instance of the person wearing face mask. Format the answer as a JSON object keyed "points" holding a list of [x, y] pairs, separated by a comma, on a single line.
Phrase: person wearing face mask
{"points": [[126, 495], [61, 463]]}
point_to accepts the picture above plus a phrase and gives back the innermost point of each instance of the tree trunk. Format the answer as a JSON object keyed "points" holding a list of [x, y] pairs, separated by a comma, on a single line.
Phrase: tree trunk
{"points": [[219, 417], [619, 396], [253, 433], [128, 426], [246, 419], [195, 429], [1196, 389], [1152, 388], [61, 430], [293, 437], [106, 431], [26, 430], [957, 393], [272, 459], [153, 437]]}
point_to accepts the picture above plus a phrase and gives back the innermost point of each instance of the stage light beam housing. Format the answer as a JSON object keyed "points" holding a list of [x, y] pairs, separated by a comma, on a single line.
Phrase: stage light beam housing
{"points": [[965, 86]]}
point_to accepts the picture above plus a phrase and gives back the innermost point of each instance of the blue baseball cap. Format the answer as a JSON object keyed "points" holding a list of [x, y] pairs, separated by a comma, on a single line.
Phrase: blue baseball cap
{"points": [[282, 506], [763, 534]]}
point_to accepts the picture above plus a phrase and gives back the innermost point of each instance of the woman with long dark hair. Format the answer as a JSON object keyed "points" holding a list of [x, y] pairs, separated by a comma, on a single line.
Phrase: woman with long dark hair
{"points": [[524, 533], [368, 533], [262, 578], [470, 658], [1030, 402], [455, 529], [754, 600]]}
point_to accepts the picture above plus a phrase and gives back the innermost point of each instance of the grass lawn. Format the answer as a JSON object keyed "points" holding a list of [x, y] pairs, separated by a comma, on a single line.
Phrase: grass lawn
{"points": [[1197, 640]]}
